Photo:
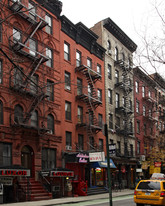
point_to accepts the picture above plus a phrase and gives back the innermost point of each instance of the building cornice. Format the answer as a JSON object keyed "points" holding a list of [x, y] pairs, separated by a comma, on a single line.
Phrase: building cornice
{"points": [[119, 34], [83, 36]]}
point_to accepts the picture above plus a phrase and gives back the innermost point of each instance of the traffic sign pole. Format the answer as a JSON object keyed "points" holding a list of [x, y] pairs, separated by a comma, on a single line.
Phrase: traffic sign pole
{"points": [[108, 165]]}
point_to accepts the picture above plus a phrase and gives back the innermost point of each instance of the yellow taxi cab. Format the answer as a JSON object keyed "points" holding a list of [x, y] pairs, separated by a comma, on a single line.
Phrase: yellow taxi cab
{"points": [[150, 192]]}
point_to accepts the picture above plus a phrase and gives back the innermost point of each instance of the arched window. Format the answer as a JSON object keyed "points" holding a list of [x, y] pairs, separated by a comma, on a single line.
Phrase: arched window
{"points": [[34, 119], [116, 54], [50, 123], [1, 112], [123, 57], [108, 45], [18, 114]]}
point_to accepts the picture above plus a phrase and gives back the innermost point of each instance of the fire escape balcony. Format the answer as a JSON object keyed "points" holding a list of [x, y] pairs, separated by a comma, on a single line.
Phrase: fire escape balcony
{"points": [[92, 124], [162, 117], [123, 131], [18, 122], [122, 64], [149, 137], [90, 72], [123, 86], [19, 7], [149, 99], [150, 118], [24, 49], [162, 100], [123, 110], [88, 97]]}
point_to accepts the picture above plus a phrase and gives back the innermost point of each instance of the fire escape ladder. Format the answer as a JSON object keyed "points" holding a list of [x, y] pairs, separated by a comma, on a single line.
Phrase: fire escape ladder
{"points": [[33, 70], [33, 32], [33, 106]]}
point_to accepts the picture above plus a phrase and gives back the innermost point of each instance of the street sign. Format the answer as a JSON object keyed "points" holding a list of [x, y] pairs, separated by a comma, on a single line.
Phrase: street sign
{"points": [[112, 149]]}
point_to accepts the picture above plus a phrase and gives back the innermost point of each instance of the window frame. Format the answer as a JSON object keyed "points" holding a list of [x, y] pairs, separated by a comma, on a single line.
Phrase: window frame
{"points": [[49, 27], [50, 90], [68, 111], [67, 80], [66, 51]]}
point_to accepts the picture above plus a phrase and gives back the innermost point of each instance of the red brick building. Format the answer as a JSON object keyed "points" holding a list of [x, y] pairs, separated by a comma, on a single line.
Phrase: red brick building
{"points": [[146, 116], [30, 130], [83, 101]]}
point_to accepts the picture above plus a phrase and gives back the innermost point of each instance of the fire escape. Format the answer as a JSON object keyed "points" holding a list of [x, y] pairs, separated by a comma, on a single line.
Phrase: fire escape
{"points": [[150, 118], [90, 97], [125, 110], [23, 45]]}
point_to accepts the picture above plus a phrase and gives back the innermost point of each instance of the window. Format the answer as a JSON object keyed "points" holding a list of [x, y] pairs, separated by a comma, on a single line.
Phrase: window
{"points": [[116, 54], [138, 126], [34, 119], [117, 100], [99, 69], [123, 57], [143, 91], [67, 110], [144, 110], [79, 86], [32, 11], [48, 158], [18, 114], [91, 143], [109, 71], [124, 102], [100, 118], [18, 77], [137, 107], [33, 47], [149, 93], [145, 129], [130, 104], [138, 147], [108, 45], [34, 84], [109, 96], [126, 149], [78, 58], [119, 147], [16, 35], [110, 121], [1, 112], [137, 87], [0, 32], [89, 90], [101, 144], [131, 150], [89, 63], [5, 154], [116, 76], [50, 90], [117, 123], [66, 51], [50, 123], [68, 139], [48, 28], [49, 54], [99, 93], [80, 115], [67, 81], [80, 142], [130, 127], [150, 113]]}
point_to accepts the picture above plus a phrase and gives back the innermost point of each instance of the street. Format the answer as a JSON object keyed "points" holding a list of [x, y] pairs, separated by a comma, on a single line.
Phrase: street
{"points": [[117, 201]]}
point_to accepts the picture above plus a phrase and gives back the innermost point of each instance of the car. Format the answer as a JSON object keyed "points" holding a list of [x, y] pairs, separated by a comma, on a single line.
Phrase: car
{"points": [[150, 192]]}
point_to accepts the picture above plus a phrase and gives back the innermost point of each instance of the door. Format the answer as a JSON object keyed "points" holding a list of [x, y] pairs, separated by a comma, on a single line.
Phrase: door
{"points": [[27, 159]]}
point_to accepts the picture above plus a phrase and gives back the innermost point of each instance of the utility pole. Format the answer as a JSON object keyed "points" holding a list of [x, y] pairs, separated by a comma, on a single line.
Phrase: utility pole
{"points": [[108, 165]]}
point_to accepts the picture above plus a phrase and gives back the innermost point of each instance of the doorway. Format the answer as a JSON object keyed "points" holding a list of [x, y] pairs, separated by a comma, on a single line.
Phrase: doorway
{"points": [[27, 158]]}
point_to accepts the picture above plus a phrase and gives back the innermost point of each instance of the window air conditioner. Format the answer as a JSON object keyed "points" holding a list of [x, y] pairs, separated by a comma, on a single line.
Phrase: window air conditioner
{"points": [[68, 147]]}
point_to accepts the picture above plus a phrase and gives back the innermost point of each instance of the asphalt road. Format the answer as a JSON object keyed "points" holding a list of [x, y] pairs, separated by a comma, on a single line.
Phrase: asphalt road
{"points": [[117, 201]]}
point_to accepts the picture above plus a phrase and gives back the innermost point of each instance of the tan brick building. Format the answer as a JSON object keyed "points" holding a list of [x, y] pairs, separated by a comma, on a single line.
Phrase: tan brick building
{"points": [[119, 97]]}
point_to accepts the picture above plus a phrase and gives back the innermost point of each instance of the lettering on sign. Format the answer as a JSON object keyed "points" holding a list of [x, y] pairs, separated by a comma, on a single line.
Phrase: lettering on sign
{"points": [[61, 174], [10, 172]]}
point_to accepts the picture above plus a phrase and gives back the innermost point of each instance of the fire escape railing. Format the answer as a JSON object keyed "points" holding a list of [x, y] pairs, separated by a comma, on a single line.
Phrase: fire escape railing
{"points": [[19, 7]]}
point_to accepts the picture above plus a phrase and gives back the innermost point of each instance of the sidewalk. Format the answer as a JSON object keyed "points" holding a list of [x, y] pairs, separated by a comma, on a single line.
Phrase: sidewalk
{"points": [[71, 199]]}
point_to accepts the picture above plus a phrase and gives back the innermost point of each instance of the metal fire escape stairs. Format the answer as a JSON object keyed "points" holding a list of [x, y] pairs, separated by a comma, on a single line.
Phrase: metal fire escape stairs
{"points": [[127, 112], [16, 7], [91, 100]]}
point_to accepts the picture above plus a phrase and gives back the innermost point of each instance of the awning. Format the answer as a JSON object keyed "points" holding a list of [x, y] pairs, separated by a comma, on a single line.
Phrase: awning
{"points": [[103, 164]]}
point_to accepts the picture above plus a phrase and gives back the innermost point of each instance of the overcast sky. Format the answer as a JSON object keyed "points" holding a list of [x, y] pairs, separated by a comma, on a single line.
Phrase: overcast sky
{"points": [[132, 16]]}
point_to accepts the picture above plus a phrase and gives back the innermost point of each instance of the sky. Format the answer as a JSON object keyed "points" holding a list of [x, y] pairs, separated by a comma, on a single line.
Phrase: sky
{"points": [[134, 17]]}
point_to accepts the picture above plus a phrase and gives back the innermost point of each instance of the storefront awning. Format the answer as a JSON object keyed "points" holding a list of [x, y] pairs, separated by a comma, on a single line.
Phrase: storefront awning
{"points": [[103, 164]]}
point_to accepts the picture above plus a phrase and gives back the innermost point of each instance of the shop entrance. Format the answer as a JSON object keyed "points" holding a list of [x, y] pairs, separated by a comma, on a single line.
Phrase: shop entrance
{"points": [[27, 158]]}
